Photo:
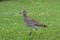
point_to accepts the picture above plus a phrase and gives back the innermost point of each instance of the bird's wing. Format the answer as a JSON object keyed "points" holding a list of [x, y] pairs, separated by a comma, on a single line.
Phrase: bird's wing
{"points": [[33, 22]]}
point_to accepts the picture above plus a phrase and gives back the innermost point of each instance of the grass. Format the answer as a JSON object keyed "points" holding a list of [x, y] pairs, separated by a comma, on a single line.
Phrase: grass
{"points": [[12, 26]]}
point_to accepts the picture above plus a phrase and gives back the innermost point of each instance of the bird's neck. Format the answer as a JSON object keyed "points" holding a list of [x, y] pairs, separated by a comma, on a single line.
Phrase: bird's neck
{"points": [[24, 15]]}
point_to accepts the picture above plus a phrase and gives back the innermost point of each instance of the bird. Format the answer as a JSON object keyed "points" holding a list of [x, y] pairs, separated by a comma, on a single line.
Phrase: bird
{"points": [[31, 22]]}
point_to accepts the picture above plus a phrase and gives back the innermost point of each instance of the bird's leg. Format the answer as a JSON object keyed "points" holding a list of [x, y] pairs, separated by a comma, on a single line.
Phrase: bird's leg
{"points": [[36, 28], [30, 31]]}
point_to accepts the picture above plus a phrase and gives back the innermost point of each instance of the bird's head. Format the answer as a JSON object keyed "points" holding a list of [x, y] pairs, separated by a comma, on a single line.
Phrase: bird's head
{"points": [[23, 12]]}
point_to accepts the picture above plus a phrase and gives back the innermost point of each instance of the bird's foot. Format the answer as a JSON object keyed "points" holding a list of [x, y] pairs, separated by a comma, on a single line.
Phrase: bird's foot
{"points": [[30, 33]]}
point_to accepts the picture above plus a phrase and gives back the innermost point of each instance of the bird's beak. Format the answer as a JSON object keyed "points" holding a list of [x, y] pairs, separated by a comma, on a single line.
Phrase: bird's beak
{"points": [[19, 13]]}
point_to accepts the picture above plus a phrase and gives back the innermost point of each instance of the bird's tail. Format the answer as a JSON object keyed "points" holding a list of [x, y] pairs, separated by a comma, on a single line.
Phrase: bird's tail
{"points": [[42, 25]]}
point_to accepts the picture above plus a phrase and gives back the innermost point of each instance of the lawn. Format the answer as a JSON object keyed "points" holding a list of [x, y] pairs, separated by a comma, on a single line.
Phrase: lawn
{"points": [[12, 25]]}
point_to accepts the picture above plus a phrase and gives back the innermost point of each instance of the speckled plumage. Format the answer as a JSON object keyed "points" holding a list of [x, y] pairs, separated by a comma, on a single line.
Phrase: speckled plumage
{"points": [[30, 21]]}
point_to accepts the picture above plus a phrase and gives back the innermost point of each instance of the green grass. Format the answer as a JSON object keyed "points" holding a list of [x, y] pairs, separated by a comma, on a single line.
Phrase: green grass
{"points": [[12, 26]]}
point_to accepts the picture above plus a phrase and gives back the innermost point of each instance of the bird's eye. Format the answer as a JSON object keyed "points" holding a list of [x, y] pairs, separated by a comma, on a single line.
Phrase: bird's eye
{"points": [[23, 11]]}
